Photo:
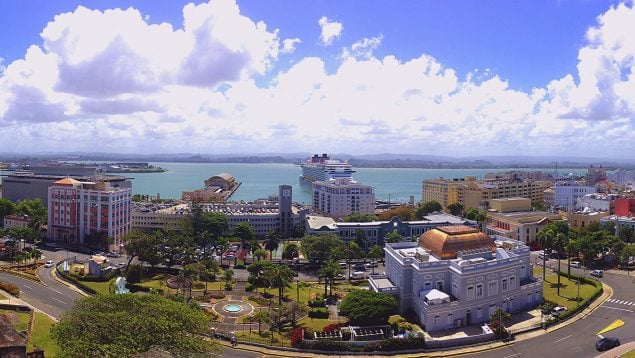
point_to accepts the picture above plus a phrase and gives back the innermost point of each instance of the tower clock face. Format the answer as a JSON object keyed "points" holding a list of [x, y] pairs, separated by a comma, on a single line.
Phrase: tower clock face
{"points": [[286, 193]]}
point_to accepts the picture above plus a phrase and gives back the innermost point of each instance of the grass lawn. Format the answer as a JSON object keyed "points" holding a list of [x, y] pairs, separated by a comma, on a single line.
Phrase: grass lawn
{"points": [[22, 323], [40, 336], [629, 354], [102, 288], [568, 289]]}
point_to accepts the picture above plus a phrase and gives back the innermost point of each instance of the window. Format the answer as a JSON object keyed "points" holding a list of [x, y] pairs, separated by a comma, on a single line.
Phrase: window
{"points": [[492, 288], [512, 282], [436, 320], [479, 312], [479, 290], [440, 285], [504, 284], [470, 292]]}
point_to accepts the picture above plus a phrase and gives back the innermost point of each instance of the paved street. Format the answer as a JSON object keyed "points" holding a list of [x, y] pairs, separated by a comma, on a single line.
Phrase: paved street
{"points": [[578, 339]]}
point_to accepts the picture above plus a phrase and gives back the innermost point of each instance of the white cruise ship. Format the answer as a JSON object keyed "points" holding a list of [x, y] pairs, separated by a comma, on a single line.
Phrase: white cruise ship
{"points": [[323, 168]]}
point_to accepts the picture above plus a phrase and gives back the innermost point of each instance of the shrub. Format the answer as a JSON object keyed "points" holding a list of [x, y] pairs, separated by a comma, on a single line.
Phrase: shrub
{"points": [[76, 282], [368, 306], [396, 344], [319, 313], [217, 296], [228, 286], [316, 303], [296, 336], [249, 287], [239, 266], [12, 289], [331, 327], [261, 301], [133, 274]]}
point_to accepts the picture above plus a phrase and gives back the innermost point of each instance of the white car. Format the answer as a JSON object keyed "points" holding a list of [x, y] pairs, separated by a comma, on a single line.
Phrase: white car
{"points": [[575, 264], [49, 263], [358, 275], [558, 310]]}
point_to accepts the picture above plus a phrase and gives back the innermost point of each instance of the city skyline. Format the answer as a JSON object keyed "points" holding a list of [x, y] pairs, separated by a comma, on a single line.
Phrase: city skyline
{"points": [[539, 78]]}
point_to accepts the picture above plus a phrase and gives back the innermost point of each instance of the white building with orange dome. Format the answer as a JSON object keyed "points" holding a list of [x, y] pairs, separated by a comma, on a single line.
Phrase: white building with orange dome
{"points": [[456, 276]]}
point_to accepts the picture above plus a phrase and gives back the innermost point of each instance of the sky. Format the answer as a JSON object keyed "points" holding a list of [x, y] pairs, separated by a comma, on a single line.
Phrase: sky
{"points": [[459, 78]]}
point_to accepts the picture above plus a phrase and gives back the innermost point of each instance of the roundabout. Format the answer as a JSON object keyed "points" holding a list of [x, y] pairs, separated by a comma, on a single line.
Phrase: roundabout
{"points": [[233, 309]]}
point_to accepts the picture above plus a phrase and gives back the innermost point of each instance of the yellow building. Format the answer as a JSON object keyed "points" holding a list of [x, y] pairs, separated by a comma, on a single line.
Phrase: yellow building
{"points": [[472, 194], [444, 191], [516, 220], [581, 220]]}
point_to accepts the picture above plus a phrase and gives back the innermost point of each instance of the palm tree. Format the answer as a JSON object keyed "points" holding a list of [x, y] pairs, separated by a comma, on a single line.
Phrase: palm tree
{"points": [[329, 271], [572, 245], [375, 252], [262, 317], [546, 238], [36, 255], [560, 241], [280, 277], [272, 242], [19, 257]]}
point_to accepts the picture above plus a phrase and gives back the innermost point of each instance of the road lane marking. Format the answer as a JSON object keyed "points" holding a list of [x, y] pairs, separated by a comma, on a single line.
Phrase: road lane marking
{"points": [[616, 324], [29, 287], [513, 355], [62, 302], [562, 339], [615, 308]]}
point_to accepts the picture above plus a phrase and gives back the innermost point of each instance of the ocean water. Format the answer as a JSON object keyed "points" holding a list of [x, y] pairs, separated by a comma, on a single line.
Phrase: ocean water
{"points": [[261, 180]]}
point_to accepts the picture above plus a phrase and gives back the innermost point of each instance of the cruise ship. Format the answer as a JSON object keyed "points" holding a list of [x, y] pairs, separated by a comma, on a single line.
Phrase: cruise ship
{"points": [[322, 168]]}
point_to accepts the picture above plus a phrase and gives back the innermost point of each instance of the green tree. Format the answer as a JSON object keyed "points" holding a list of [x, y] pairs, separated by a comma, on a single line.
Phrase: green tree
{"points": [[498, 320], [456, 209], [559, 244], [319, 249], [260, 253], [329, 271], [212, 225], [360, 239], [280, 277], [368, 307], [361, 218], [34, 209], [36, 255], [351, 252], [290, 251], [124, 325], [261, 316], [135, 243], [375, 253], [7, 207], [539, 206], [272, 242], [258, 276], [427, 208], [393, 237], [545, 237], [471, 213], [244, 231], [627, 234]]}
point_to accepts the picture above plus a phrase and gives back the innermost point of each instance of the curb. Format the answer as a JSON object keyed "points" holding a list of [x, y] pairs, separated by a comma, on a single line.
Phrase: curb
{"points": [[69, 285], [21, 275]]}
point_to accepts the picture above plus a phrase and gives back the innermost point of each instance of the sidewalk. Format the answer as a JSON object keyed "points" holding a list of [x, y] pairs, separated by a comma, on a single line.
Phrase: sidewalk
{"points": [[618, 351]]}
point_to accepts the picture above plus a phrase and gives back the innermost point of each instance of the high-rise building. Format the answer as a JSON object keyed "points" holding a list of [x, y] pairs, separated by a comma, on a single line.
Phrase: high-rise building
{"points": [[595, 174], [285, 210], [342, 197], [78, 211]]}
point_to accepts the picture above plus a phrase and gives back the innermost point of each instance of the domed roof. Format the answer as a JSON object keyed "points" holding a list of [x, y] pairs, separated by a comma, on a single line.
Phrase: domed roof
{"points": [[445, 241]]}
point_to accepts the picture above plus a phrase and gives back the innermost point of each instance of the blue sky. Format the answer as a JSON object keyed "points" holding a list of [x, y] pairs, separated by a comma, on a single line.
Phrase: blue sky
{"points": [[525, 77]]}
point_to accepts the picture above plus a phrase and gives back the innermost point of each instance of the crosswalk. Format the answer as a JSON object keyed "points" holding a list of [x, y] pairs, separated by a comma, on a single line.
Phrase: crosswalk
{"points": [[621, 302]]}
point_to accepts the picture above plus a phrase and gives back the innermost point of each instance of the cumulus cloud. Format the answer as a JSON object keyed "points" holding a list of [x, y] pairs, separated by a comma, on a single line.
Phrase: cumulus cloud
{"points": [[363, 48], [288, 45], [331, 30], [214, 83]]}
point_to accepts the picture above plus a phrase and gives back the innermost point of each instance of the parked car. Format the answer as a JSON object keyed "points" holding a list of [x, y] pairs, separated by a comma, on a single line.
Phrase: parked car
{"points": [[340, 276], [359, 267], [597, 273], [358, 275], [575, 264], [558, 310], [343, 265], [112, 254], [371, 265], [49, 263], [606, 343]]}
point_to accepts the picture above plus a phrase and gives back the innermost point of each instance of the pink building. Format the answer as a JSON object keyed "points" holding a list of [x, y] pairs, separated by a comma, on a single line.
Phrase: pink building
{"points": [[16, 221], [88, 213]]}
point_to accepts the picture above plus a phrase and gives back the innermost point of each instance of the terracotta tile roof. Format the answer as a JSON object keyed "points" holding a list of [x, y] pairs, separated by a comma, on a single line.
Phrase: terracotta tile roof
{"points": [[67, 181]]}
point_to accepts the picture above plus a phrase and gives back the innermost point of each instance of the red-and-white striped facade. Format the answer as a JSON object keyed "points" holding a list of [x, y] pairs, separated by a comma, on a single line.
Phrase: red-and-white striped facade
{"points": [[77, 209]]}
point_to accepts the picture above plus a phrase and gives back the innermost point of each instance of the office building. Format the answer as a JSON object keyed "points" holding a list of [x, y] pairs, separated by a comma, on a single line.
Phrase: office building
{"points": [[443, 191], [88, 213], [342, 197], [595, 175]]}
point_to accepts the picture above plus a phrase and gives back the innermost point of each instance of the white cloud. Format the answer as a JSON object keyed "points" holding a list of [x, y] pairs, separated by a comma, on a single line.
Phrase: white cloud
{"points": [[363, 48], [331, 30], [288, 45], [113, 78]]}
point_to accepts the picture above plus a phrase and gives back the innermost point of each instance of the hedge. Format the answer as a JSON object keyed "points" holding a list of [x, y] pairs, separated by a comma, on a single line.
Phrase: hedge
{"points": [[319, 313], [76, 281], [12, 289]]}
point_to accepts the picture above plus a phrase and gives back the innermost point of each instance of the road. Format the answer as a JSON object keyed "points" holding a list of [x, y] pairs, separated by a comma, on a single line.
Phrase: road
{"points": [[578, 339]]}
